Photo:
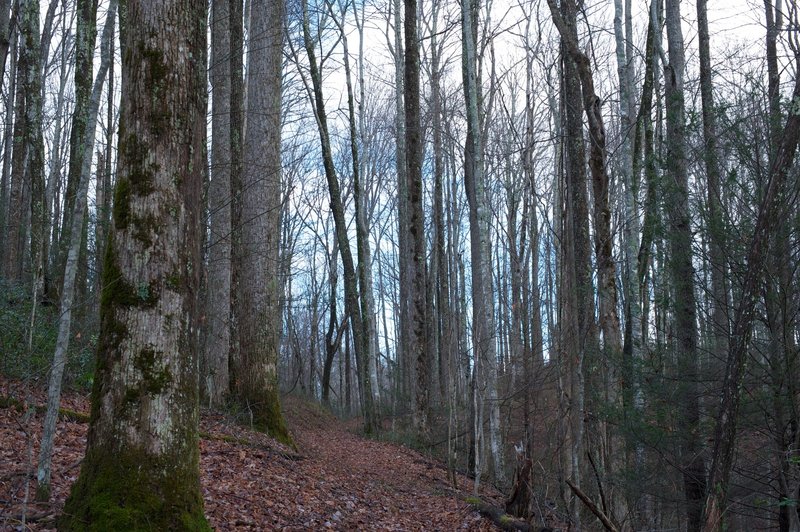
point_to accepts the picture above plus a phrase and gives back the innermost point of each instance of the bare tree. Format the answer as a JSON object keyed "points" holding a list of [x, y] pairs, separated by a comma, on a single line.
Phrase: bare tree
{"points": [[352, 303], [85, 36], [71, 270], [484, 341]]}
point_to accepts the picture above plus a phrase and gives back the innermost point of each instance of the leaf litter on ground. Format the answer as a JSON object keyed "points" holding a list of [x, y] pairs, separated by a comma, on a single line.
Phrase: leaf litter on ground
{"points": [[336, 479]]}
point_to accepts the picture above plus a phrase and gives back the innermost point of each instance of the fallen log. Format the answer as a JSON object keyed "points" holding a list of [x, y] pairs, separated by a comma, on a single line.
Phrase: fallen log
{"points": [[593, 507], [503, 520], [64, 413]]}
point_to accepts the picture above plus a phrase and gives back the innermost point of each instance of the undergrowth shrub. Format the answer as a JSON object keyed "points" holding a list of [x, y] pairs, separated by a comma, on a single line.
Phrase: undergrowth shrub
{"points": [[28, 338]]}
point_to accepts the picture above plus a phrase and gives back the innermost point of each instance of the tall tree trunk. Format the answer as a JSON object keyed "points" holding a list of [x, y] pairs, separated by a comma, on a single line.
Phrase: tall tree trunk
{"points": [[632, 344], [416, 219], [236, 22], [85, 36], [54, 177], [715, 221], [578, 80], [70, 273], [446, 333], [579, 336], [363, 252], [364, 218], [637, 260], [606, 270], [214, 375], [141, 463], [676, 198], [483, 325], [104, 182], [405, 357], [255, 383], [25, 229], [8, 143], [333, 335]]}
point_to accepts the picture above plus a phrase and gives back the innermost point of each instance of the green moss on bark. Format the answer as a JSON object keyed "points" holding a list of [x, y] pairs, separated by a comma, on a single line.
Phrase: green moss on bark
{"points": [[122, 206], [133, 491], [155, 377], [268, 418], [141, 170]]}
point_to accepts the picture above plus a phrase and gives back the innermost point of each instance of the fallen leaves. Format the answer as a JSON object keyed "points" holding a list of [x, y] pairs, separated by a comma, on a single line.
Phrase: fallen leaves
{"points": [[338, 481]]}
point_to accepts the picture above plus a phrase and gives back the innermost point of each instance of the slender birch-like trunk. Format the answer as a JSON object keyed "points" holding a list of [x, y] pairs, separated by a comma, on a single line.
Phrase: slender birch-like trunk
{"points": [[71, 270], [483, 325]]}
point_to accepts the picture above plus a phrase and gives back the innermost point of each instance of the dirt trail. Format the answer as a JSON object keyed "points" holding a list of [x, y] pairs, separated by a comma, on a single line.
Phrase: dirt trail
{"points": [[343, 482], [337, 480]]}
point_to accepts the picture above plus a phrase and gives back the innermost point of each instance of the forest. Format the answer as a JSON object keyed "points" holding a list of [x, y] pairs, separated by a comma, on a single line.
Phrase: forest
{"points": [[476, 264]]}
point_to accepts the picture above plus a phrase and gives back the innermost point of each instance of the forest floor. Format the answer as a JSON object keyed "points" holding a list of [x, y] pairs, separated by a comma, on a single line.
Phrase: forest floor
{"points": [[336, 479]]}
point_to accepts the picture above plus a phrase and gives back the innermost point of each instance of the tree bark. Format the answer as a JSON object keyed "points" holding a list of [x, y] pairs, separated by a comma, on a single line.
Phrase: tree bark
{"points": [[484, 341], [416, 219], [25, 220], [85, 36], [632, 344], [333, 335], [8, 143], [715, 221], [141, 463], [235, 8], [214, 369], [676, 201], [105, 180], [255, 383], [405, 357]]}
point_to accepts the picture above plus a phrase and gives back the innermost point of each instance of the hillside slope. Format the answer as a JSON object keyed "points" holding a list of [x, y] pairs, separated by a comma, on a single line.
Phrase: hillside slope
{"points": [[336, 479]]}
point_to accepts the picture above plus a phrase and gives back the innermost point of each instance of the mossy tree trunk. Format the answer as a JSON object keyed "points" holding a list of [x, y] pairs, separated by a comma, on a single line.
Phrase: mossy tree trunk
{"points": [[24, 219], [417, 304], [255, 382], [85, 37], [141, 465], [676, 200]]}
